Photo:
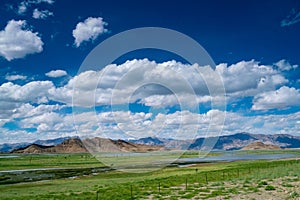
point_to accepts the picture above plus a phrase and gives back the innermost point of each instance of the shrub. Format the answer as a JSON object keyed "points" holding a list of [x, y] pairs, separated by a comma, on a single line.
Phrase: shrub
{"points": [[294, 194], [269, 187], [261, 183]]}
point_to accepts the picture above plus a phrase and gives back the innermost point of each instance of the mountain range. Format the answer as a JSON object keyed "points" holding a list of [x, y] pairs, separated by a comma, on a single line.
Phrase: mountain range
{"points": [[75, 145], [7, 147], [227, 142]]}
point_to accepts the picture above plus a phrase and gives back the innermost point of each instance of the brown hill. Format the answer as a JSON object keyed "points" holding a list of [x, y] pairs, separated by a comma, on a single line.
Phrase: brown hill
{"points": [[108, 145], [33, 148], [75, 145], [260, 146], [131, 147]]}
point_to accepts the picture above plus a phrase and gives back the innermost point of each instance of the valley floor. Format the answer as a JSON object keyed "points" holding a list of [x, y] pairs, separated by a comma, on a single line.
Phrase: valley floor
{"points": [[251, 179]]}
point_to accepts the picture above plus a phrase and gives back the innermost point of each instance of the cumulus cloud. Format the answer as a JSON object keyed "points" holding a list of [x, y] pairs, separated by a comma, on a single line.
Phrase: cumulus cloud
{"points": [[166, 84], [56, 73], [47, 119], [282, 98], [27, 110], [152, 84], [30, 92], [89, 30], [137, 80], [178, 125], [41, 14], [121, 124], [248, 78], [15, 77], [284, 65], [16, 101], [16, 41]]}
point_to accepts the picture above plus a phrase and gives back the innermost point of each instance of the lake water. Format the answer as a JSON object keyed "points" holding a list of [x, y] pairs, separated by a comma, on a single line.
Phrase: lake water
{"points": [[234, 157], [28, 175], [9, 156]]}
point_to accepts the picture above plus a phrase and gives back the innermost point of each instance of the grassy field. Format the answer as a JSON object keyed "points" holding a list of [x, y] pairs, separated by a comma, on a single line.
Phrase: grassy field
{"points": [[228, 180], [48, 161], [84, 160]]}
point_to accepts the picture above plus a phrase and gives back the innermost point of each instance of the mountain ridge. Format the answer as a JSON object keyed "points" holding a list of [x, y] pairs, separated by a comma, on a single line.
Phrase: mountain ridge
{"points": [[233, 142], [75, 145], [226, 142], [7, 147], [260, 146]]}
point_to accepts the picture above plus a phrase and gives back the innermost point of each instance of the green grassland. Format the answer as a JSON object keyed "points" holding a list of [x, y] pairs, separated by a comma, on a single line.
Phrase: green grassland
{"points": [[200, 181], [48, 161], [80, 160]]}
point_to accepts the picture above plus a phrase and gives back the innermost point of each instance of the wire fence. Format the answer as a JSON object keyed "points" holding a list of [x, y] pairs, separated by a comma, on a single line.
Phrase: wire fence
{"points": [[185, 184]]}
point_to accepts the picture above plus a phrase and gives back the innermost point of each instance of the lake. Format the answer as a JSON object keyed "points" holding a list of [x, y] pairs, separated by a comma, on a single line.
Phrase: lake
{"points": [[229, 157]]}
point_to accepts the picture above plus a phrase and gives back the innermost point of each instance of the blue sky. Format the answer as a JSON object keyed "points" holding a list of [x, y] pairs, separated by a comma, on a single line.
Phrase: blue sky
{"points": [[254, 44]]}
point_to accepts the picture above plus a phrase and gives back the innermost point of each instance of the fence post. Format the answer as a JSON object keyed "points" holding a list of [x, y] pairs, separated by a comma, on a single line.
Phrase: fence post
{"points": [[131, 192], [186, 184], [206, 178], [159, 187], [223, 175]]}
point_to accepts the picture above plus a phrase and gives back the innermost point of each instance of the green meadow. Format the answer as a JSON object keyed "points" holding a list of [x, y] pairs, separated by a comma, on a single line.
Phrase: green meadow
{"points": [[224, 180]]}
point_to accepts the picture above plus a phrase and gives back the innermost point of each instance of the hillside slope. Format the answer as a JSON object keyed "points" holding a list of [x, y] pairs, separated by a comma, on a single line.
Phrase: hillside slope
{"points": [[260, 146], [75, 145]]}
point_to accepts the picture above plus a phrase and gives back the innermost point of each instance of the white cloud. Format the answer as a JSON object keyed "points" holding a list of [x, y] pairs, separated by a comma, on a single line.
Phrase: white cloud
{"points": [[88, 30], [137, 80], [48, 118], [180, 125], [15, 77], [56, 73], [284, 65], [16, 41], [24, 5], [120, 124], [292, 18], [163, 84], [41, 1], [126, 80], [160, 100], [282, 98], [41, 14], [133, 81], [27, 110], [263, 124], [8, 136], [22, 8], [30, 92], [249, 78]]}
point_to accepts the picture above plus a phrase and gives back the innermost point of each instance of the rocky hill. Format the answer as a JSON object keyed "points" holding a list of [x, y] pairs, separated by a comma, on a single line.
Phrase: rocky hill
{"points": [[75, 145], [260, 146], [72, 145], [108, 145], [33, 148]]}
